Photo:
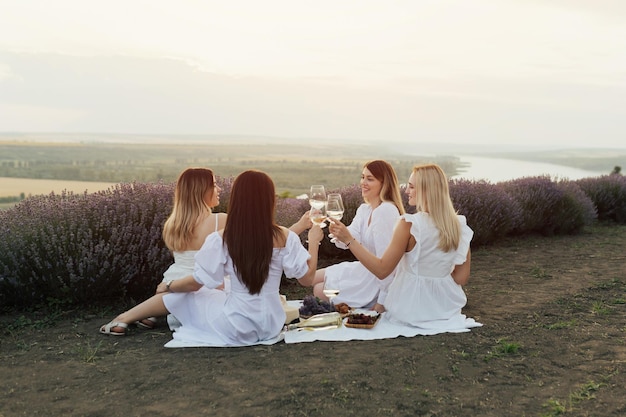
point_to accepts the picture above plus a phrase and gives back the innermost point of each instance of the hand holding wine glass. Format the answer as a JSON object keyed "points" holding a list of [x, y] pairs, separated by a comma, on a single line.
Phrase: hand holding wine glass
{"points": [[340, 232], [318, 216], [334, 210]]}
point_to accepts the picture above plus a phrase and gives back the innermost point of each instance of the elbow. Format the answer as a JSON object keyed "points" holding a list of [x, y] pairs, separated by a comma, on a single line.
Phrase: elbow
{"points": [[461, 280], [382, 273], [307, 280], [461, 276], [461, 273]]}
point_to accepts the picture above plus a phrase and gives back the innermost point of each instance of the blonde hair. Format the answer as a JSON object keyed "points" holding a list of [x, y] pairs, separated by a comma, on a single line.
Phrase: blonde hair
{"points": [[390, 190], [189, 207], [432, 195]]}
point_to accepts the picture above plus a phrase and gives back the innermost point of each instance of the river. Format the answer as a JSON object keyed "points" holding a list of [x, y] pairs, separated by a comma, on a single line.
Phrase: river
{"points": [[496, 170]]}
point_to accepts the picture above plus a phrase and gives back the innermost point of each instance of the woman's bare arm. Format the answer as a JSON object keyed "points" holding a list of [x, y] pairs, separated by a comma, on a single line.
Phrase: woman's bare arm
{"points": [[461, 273], [381, 267], [187, 284]]}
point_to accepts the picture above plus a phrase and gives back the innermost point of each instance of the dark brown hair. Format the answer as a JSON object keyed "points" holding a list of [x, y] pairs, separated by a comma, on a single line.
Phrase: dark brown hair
{"points": [[250, 227]]}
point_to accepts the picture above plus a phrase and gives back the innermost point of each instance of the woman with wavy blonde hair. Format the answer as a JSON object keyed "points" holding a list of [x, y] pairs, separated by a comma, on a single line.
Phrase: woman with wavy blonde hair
{"points": [[430, 251], [191, 221], [195, 195]]}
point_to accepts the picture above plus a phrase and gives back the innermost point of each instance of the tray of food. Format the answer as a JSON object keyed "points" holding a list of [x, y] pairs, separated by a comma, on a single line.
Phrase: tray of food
{"points": [[362, 320]]}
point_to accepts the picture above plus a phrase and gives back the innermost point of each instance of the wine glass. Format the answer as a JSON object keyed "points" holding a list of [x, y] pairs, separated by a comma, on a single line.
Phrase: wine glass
{"points": [[317, 196], [317, 200], [334, 210], [334, 206], [331, 290]]}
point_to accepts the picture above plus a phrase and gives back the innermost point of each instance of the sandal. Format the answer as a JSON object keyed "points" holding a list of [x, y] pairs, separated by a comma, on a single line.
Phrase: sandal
{"points": [[108, 328], [148, 323]]}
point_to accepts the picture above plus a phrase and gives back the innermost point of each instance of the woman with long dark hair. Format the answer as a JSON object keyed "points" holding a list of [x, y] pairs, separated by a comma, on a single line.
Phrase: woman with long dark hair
{"points": [[254, 251]]}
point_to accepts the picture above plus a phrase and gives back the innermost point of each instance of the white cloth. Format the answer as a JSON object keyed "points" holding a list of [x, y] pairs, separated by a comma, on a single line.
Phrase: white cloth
{"points": [[213, 317], [357, 286], [182, 267], [384, 329], [423, 294]]}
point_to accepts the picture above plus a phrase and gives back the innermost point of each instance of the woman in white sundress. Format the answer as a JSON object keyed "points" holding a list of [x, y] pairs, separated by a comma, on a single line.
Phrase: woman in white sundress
{"points": [[255, 252], [191, 221], [373, 226], [431, 250]]}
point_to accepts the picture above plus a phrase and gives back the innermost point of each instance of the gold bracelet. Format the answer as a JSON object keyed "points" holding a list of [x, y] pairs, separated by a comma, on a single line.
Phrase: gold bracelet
{"points": [[348, 244]]}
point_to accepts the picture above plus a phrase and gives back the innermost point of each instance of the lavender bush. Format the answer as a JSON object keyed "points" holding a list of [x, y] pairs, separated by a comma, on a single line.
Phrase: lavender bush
{"points": [[290, 210], [538, 198], [575, 210], [225, 184], [490, 211], [608, 193], [75, 249]]}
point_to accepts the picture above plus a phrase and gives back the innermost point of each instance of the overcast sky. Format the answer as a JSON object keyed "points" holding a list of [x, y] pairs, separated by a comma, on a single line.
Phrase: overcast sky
{"points": [[531, 72]]}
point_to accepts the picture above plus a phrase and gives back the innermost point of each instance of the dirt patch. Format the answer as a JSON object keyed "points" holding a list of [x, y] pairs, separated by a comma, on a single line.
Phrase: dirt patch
{"points": [[553, 342]]}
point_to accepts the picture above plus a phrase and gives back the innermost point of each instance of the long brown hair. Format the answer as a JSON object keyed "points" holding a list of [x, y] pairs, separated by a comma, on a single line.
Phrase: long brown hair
{"points": [[250, 227], [390, 190], [189, 205]]}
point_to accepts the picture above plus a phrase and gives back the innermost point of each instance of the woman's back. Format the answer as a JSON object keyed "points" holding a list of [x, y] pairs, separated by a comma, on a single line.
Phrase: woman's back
{"points": [[432, 261], [207, 224]]}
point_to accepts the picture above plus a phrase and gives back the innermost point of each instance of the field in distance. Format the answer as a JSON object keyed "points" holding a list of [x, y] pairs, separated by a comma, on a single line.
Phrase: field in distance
{"points": [[15, 186], [293, 166]]}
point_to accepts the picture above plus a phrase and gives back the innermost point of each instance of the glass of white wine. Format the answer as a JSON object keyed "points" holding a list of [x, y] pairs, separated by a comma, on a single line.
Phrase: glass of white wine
{"points": [[334, 206], [317, 196], [317, 200], [331, 290]]}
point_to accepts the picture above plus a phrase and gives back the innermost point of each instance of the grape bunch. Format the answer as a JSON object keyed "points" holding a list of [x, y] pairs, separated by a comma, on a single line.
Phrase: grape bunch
{"points": [[312, 305]]}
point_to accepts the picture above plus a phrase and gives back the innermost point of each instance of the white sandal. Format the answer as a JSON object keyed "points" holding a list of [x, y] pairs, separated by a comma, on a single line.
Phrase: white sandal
{"points": [[152, 320], [108, 328]]}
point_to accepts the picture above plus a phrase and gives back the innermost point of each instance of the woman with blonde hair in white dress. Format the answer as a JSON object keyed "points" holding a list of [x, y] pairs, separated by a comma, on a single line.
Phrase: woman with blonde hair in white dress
{"points": [[430, 251], [190, 222]]}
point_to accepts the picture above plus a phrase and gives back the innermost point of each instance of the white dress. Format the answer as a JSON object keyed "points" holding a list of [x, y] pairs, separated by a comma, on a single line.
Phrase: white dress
{"points": [[237, 318], [182, 267], [423, 293], [358, 287]]}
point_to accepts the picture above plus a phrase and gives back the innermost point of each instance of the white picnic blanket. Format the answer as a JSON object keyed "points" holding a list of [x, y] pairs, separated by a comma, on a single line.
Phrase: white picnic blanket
{"points": [[384, 329]]}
